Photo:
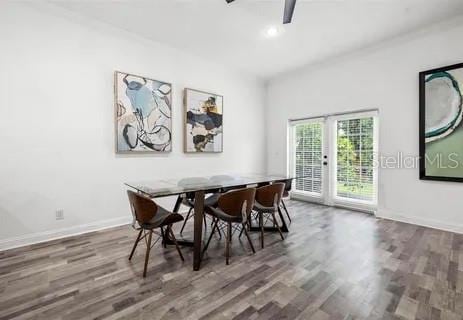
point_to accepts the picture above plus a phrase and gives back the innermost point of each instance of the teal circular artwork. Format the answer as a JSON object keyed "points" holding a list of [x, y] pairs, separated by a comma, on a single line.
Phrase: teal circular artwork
{"points": [[443, 105]]}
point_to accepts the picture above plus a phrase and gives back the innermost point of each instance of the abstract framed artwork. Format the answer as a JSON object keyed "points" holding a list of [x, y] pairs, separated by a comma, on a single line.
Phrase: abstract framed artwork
{"points": [[143, 114], [203, 121], [441, 128]]}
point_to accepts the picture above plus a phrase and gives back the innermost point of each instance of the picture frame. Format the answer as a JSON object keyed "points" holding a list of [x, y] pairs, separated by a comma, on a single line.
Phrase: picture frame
{"points": [[440, 124], [142, 114], [203, 121]]}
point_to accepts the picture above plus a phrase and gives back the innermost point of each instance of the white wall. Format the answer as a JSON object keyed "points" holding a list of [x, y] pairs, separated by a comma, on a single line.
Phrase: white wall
{"points": [[57, 129], [386, 78]]}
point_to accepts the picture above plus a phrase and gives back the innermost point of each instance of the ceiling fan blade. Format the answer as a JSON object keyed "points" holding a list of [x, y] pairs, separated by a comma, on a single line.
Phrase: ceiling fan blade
{"points": [[289, 10], [229, 1]]}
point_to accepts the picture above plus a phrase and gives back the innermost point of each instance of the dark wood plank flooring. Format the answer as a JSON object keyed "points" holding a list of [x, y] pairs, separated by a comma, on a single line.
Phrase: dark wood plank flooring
{"points": [[334, 264]]}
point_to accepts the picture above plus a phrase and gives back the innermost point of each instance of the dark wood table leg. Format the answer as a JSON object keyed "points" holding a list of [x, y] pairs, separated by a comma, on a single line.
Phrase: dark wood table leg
{"points": [[198, 229]]}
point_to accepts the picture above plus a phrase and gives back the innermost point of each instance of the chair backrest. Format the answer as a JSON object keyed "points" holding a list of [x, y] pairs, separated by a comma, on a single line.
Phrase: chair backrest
{"points": [[288, 184], [270, 196], [238, 202], [143, 208]]}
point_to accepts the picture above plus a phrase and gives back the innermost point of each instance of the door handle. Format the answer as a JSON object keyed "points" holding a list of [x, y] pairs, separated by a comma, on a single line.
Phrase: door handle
{"points": [[325, 163]]}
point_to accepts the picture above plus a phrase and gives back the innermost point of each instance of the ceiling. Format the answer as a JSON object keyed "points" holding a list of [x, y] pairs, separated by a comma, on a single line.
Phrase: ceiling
{"points": [[234, 34]]}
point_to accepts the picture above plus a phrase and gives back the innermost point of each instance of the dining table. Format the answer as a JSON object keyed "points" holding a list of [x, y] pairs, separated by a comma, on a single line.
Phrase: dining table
{"points": [[200, 187]]}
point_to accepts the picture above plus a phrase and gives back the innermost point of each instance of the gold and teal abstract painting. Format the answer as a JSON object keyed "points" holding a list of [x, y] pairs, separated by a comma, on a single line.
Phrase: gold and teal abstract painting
{"points": [[441, 113], [203, 121], [143, 114]]}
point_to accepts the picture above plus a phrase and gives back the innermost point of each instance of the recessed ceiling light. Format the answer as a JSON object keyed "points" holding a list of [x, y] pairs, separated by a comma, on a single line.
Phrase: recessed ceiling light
{"points": [[272, 32]]}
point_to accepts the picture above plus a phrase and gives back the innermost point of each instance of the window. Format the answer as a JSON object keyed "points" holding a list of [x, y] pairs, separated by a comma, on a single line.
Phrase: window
{"points": [[333, 159], [308, 156], [354, 156]]}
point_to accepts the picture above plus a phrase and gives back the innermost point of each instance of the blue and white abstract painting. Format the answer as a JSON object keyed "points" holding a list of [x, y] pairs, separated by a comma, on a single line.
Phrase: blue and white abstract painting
{"points": [[143, 114]]}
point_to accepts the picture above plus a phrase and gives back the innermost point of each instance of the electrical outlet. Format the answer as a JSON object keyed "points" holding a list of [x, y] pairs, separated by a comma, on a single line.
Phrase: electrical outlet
{"points": [[59, 214]]}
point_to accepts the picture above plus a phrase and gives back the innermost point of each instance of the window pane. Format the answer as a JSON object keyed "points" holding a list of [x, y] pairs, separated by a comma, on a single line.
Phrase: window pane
{"points": [[355, 159], [308, 157]]}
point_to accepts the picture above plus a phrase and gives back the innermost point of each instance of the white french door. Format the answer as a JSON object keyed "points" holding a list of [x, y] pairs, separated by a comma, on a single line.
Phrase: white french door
{"points": [[335, 157], [307, 144]]}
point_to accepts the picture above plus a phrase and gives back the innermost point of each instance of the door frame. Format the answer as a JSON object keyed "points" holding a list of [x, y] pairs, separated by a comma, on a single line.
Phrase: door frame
{"points": [[329, 148], [369, 206], [291, 169]]}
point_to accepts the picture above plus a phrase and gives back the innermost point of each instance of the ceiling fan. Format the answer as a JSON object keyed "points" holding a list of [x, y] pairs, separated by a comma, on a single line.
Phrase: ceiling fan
{"points": [[289, 10]]}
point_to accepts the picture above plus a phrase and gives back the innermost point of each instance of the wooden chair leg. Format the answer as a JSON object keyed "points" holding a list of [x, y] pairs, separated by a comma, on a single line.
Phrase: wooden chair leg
{"points": [[227, 244], [175, 241], [261, 224], [218, 231], [278, 226], [249, 238], [230, 234], [164, 237], [286, 210], [186, 220], [216, 221], [147, 255], [135, 244]]}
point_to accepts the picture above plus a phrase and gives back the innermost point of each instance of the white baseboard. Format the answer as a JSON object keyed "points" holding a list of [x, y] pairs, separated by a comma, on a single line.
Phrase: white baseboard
{"points": [[38, 237], [430, 223]]}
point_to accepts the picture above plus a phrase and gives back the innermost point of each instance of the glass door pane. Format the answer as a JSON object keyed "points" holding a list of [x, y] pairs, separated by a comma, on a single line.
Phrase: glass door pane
{"points": [[354, 159], [308, 158]]}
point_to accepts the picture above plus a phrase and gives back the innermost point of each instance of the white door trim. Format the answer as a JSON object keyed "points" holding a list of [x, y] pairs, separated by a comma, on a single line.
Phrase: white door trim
{"points": [[329, 149]]}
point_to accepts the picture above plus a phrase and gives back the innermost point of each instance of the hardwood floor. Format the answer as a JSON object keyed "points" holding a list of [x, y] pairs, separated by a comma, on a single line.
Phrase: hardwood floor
{"points": [[334, 264]]}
